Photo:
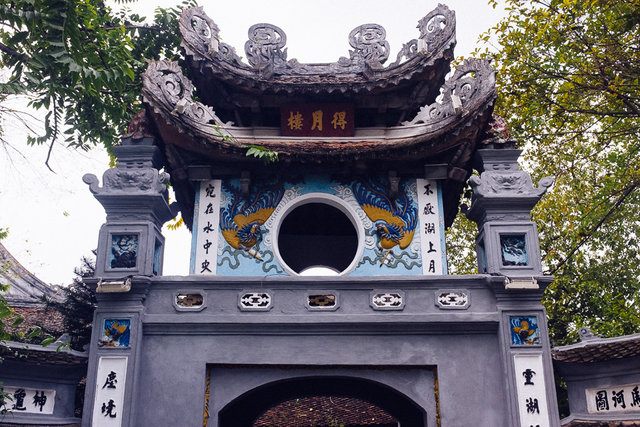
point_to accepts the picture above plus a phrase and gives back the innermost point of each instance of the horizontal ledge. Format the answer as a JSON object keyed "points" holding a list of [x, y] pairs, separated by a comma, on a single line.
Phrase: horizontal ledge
{"points": [[322, 324]]}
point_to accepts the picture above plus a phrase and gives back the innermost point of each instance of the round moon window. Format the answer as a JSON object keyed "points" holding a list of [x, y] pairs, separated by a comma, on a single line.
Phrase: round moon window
{"points": [[317, 239]]}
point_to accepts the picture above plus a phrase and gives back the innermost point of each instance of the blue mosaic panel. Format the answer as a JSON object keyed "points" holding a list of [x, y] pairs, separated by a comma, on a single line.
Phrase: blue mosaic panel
{"points": [[116, 333], [513, 248], [388, 231], [124, 251], [524, 330]]}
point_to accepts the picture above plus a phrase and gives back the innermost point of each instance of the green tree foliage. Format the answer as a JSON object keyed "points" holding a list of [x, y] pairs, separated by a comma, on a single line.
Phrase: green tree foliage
{"points": [[568, 75], [81, 62], [77, 306]]}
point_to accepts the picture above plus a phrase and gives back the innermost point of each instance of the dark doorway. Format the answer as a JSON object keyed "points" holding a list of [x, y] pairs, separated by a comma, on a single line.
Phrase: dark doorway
{"points": [[336, 399], [317, 235]]}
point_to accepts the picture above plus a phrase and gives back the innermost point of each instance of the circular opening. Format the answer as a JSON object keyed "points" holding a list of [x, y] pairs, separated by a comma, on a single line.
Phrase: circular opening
{"points": [[317, 237]]}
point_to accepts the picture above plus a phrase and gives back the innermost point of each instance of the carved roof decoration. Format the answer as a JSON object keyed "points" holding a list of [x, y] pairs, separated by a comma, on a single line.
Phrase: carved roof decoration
{"points": [[466, 99], [406, 114], [269, 69]]}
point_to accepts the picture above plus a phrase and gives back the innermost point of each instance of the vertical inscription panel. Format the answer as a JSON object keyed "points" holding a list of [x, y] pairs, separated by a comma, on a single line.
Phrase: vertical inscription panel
{"points": [[109, 396], [530, 386], [431, 227], [206, 228]]}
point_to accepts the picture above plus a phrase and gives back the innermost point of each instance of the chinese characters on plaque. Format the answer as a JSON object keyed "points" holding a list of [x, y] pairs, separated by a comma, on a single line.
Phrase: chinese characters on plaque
{"points": [[622, 398], [323, 120], [24, 400], [109, 397], [207, 220], [530, 386], [431, 226]]}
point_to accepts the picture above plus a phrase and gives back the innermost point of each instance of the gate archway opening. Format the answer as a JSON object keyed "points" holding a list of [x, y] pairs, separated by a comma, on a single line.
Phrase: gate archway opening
{"points": [[335, 400]]}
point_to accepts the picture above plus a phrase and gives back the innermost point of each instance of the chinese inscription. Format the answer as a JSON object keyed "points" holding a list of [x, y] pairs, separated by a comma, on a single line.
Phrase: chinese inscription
{"points": [[431, 220], [109, 396], [328, 120], [28, 400], [622, 398], [206, 226], [530, 386]]}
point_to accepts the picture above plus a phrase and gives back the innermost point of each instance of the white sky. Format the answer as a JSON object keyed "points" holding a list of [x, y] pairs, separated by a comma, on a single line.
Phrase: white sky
{"points": [[54, 220]]}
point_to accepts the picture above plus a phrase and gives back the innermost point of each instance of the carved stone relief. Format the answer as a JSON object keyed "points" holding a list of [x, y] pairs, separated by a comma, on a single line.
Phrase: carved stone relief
{"points": [[474, 76], [369, 43]]}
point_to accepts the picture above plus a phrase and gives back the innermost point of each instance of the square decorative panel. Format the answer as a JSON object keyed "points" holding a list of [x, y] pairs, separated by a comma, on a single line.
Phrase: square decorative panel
{"points": [[513, 248], [116, 333], [124, 251], [524, 330]]}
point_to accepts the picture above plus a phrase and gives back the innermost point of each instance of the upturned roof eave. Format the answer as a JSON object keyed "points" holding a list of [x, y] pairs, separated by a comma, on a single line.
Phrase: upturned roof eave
{"points": [[431, 131]]}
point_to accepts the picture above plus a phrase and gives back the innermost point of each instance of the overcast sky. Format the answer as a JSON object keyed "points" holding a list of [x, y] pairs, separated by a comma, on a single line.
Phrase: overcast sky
{"points": [[53, 218]]}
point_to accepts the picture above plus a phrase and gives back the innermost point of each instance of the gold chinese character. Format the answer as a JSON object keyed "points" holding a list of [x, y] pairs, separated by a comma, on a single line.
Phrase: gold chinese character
{"points": [[295, 120], [339, 120], [317, 120]]}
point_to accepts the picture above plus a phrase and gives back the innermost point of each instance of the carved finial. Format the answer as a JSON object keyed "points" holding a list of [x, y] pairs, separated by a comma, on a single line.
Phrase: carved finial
{"points": [[265, 45], [471, 81], [369, 43], [585, 334]]}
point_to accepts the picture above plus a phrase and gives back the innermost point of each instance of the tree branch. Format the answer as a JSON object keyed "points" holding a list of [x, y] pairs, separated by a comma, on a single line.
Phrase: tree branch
{"points": [[21, 56], [584, 240]]}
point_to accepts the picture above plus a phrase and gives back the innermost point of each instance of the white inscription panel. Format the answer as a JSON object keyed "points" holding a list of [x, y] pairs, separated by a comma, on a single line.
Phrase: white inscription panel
{"points": [[621, 398], [532, 397], [431, 227], [28, 400], [109, 397], [206, 227]]}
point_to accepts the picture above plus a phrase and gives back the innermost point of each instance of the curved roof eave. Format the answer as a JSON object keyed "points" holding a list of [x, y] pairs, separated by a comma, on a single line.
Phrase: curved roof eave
{"points": [[465, 98]]}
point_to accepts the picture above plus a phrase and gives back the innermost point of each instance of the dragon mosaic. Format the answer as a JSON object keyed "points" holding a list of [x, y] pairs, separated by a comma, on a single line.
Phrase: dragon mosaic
{"points": [[242, 220], [395, 219]]}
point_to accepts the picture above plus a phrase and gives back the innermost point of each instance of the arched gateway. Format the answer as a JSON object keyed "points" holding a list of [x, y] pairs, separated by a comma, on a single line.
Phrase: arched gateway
{"points": [[362, 401], [318, 281]]}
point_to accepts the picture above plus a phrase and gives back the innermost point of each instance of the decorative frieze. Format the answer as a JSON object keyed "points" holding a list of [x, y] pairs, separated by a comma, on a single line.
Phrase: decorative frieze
{"points": [[317, 301], [447, 299], [187, 300], [387, 300], [255, 301]]}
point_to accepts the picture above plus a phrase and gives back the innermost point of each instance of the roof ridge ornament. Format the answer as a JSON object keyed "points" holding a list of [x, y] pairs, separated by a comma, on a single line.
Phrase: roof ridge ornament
{"points": [[369, 44], [265, 46], [164, 82], [458, 92]]}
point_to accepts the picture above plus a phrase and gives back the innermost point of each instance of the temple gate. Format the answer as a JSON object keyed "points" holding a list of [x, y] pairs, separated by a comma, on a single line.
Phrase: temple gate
{"points": [[320, 277]]}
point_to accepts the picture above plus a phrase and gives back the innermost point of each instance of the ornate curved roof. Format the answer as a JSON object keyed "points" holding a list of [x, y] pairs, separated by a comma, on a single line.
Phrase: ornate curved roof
{"points": [[405, 114], [467, 98]]}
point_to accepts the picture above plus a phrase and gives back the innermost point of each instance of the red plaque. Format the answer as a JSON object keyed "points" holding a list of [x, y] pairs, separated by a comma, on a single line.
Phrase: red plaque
{"points": [[321, 120]]}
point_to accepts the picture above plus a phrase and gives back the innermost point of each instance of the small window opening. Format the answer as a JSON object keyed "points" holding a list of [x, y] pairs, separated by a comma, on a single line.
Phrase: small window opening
{"points": [[317, 238]]}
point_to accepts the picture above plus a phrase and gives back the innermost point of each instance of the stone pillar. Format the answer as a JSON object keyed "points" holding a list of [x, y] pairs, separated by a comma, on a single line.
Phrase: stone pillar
{"points": [[503, 196], [130, 251], [507, 245], [135, 198]]}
